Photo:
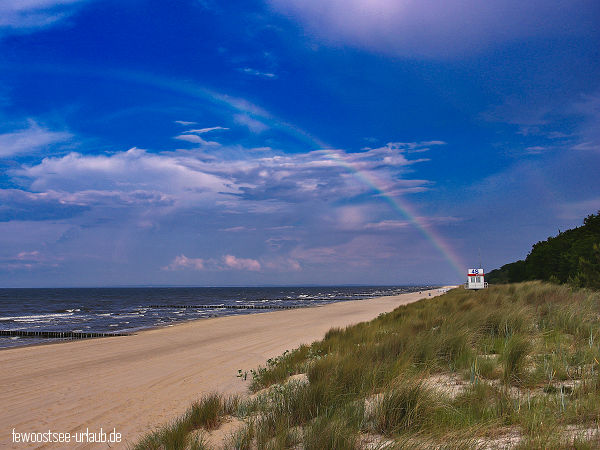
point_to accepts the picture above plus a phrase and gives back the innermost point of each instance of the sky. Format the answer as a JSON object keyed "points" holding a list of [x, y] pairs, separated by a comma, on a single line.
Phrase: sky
{"points": [[291, 142]]}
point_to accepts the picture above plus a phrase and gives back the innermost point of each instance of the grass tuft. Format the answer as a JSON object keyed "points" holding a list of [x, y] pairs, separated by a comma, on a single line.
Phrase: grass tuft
{"points": [[513, 358], [329, 434], [207, 413], [402, 408]]}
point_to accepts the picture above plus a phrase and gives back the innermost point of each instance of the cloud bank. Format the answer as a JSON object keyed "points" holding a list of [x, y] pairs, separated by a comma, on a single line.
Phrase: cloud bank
{"points": [[258, 212], [434, 29]]}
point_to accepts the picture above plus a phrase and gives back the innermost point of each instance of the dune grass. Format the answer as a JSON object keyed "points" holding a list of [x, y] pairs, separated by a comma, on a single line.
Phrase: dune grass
{"points": [[524, 359], [207, 413]]}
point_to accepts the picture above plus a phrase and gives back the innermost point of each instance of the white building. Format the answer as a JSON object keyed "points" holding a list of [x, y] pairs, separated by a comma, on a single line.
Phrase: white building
{"points": [[475, 279]]}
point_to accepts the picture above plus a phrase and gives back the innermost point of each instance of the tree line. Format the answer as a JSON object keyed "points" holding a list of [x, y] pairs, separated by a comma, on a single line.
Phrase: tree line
{"points": [[572, 257]]}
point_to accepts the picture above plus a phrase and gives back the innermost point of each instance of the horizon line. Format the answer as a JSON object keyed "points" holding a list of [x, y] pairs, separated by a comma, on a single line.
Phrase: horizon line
{"points": [[126, 286]]}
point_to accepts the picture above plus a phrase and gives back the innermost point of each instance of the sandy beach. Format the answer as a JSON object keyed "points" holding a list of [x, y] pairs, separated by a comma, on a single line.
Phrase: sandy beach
{"points": [[136, 383]]}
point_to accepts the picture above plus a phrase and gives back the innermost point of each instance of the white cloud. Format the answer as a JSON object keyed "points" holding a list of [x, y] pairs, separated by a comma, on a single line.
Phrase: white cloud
{"points": [[260, 181], [387, 225], [30, 140], [410, 147], [195, 139], [166, 176], [436, 29], [183, 262], [35, 255], [256, 126], [238, 229], [234, 262], [361, 222], [587, 146], [206, 130], [28, 15], [193, 136], [258, 73], [228, 262], [29, 260], [283, 264]]}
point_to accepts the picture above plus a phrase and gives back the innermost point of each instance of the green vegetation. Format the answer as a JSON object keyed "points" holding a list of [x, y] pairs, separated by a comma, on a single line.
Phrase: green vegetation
{"points": [[207, 414], [570, 257], [510, 366]]}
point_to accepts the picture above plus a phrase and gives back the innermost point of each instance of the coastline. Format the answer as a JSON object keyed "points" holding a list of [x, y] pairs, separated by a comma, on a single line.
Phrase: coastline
{"points": [[225, 307], [136, 383]]}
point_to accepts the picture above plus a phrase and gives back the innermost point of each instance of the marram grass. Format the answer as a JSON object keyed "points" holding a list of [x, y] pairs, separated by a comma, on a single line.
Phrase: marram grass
{"points": [[512, 366], [207, 414]]}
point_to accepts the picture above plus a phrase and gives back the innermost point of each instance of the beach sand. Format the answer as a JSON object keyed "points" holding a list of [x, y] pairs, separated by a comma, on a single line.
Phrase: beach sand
{"points": [[136, 383]]}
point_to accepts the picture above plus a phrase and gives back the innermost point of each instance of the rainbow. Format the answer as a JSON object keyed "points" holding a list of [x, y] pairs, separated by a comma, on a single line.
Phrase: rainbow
{"points": [[402, 206]]}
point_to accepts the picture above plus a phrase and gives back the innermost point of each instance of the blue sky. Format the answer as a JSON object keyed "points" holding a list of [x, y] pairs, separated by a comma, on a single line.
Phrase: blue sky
{"points": [[291, 142]]}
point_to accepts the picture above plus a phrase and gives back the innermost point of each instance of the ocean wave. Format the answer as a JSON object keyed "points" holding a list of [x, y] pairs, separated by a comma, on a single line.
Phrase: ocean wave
{"points": [[34, 318]]}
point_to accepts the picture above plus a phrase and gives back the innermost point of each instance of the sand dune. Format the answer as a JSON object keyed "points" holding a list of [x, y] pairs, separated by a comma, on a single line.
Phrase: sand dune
{"points": [[135, 383]]}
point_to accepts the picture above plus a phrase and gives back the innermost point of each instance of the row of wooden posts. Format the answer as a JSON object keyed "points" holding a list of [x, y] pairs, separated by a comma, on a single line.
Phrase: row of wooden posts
{"points": [[82, 335], [228, 306], [58, 334]]}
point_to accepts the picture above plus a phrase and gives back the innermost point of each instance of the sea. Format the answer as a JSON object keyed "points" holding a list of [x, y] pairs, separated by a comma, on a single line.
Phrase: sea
{"points": [[127, 310]]}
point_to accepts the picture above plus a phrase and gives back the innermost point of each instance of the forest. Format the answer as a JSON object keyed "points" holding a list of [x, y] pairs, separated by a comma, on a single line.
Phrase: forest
{"points": [[572, 257]]}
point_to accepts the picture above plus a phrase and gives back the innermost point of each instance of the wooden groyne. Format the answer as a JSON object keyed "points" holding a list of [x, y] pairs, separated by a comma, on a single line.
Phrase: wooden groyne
{"points": [[230, 306], [58, 334]]}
